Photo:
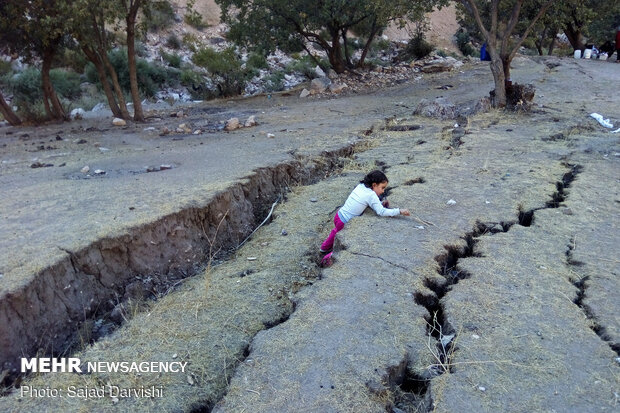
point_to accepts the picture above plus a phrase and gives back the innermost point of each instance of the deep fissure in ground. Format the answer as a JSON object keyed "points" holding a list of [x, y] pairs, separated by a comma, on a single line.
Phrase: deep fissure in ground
{"points": [[413, 389], [115, 273]]}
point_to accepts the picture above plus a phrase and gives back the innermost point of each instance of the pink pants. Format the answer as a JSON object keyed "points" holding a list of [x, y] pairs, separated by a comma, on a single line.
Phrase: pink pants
{"points": [[328, 244]]}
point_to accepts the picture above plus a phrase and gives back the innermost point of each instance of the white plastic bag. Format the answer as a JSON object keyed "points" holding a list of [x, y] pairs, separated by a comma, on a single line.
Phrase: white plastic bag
{"points": [[605, 122]]}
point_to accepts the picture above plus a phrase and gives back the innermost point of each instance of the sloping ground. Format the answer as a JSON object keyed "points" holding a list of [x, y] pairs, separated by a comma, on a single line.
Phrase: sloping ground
{"points": [[504, 323], [367, 333]]}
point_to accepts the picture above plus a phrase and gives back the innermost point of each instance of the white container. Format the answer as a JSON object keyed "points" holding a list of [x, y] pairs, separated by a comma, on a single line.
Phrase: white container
{"points": [[587, 53], [577, 54]]}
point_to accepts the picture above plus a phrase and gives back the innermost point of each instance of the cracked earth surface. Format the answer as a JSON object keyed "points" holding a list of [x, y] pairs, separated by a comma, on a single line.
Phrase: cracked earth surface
{"points": [[503, 300]]}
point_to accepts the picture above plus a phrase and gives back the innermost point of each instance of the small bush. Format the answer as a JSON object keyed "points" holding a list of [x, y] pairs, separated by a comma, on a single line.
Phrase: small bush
{"points": [[173, 59], [190, 78], [463, 43], [196, 85], [26, 86], [191, 42], [418, 48], [274, 82], [173, 42], [225, 67], [194, 19], [32, 112], [256, 61], [66, 83], [379, 45], [306, 66], [5, 67], [141, 50], [151, 77], [159, 16], [71, 58]]}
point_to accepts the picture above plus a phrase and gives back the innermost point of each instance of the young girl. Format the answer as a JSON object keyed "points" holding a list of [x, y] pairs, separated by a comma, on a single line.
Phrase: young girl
{"points": [[366, 194]]}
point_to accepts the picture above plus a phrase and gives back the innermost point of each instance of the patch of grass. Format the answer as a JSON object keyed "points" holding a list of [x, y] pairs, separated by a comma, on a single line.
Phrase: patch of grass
{"points": [[274, 82], [173, 59], [191, 42], [305, 66]]}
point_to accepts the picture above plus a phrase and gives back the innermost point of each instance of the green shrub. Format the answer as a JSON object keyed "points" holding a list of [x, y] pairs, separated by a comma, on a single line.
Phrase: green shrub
{"points": [[173, 42], [379, 45], [306, 66], [418, 48], [191, 42], [31, 112], [274, 82], [5, 67], [463, 43], [151, 77], [25, 86], [66, 83], [190, 78], [160, 15], [71, 58], [195, 84], [256, 61], [194, 19], [173, 59], [225, 67]]}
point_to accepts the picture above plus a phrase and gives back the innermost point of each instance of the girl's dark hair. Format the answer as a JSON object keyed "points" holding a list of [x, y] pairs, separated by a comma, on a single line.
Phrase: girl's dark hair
{"points": [[374, 177]]}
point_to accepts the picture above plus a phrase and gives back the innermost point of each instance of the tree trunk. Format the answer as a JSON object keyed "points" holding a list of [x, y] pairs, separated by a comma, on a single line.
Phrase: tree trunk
{"points": [[8, 113], [499, 94], [335, 54], [540, 40], [574, 37], [102, 46], [551, 46], [506, 67], [371, 37], [346, 48], [120, 96], [94, 58], [58, 111], [138, 114]]}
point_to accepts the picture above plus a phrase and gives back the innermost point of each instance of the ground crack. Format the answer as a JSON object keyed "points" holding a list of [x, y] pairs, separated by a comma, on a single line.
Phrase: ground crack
{"points": [[382, 259], [582, 286]]}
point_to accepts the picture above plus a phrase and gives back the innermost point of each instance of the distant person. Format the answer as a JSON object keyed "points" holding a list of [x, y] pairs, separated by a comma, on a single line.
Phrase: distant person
{"points": [[366, 194], [618, 45]]}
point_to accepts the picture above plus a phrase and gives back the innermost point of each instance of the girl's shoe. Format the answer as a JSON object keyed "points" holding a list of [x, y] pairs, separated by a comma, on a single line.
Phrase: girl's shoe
{"points": [[327, 260]]}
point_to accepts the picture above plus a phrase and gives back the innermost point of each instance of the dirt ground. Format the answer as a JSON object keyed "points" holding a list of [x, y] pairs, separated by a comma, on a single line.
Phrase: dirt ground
{"points": [[499, 294]]}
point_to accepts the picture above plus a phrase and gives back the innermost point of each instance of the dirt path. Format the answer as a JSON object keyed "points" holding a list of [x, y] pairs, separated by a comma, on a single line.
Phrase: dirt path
{"points": [[517, 271]]}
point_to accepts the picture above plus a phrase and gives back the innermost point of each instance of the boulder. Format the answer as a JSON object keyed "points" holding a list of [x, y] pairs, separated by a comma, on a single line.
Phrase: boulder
{"points": [[441, 64], [304, 93], [77, 113], [319, 85], [118, 122], [250, 122], [337, 87], [438, 108], [319, 72], [232, 124]]}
